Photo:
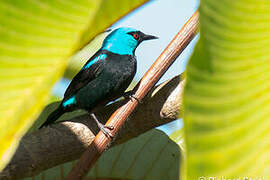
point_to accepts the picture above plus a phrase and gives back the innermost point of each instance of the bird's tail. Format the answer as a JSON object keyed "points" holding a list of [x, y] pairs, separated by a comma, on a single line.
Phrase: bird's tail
{"points": [[53, 116]]}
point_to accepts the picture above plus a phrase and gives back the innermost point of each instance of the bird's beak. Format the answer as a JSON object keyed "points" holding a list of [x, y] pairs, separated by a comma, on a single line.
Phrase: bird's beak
{"points": [[148, 37]]}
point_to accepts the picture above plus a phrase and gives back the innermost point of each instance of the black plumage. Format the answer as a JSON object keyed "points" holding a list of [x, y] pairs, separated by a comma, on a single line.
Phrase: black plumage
{"points": [[104, 77]]}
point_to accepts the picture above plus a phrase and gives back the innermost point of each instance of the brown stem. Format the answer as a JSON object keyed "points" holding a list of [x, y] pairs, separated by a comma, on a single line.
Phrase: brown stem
{"points": [[163, 62]]}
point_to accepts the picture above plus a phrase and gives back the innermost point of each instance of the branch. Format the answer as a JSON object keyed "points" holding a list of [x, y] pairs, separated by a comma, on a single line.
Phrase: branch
{"points": [[66, 141], [163, 62]]}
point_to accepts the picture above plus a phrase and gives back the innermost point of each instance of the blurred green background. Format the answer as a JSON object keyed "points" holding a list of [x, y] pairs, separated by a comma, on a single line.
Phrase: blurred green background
{"points": [[226, 98]]}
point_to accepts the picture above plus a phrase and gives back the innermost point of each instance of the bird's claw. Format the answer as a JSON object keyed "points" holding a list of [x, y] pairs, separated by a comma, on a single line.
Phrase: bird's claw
{"points": [[109, 127], [106, 130], [130, 95]]}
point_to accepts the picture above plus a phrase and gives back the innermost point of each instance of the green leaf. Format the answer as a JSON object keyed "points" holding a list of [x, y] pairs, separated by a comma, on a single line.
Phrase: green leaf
{"points": [[226, 97], [152, 155], [178, 137], [37, 38]]}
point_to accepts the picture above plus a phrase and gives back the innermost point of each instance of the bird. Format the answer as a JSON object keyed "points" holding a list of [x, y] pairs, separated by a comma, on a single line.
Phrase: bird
{"points": [[104, 77]]}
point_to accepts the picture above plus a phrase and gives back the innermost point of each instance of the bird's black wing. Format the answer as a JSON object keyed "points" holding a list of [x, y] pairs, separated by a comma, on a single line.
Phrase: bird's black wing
{"points": [[86, 74]]}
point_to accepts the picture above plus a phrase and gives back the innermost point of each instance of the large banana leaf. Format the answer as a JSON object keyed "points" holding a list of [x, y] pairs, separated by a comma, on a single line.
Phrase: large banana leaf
{"points": [[152, 155], [37, 37], [226, 99]]}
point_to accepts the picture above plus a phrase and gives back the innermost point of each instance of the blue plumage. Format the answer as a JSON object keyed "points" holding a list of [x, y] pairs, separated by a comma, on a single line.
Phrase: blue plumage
{"points": [[105, 76], [70, 101], [120, 42], [95, 60]]}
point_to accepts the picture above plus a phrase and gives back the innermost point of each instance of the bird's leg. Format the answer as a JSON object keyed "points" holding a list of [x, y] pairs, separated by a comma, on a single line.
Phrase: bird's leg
{"points": [[130, 95], [102, 127]]}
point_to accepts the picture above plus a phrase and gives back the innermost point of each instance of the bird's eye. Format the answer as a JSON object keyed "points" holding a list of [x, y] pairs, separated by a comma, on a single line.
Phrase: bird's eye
{"points": [[136, 36]]}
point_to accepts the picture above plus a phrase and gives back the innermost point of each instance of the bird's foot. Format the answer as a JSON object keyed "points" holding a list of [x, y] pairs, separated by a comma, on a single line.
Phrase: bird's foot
{"points": [[104, 128], [130, 95]]}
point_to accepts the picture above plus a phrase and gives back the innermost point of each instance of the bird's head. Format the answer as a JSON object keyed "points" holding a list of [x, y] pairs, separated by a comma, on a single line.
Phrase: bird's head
{"points": [[124, 40]]}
